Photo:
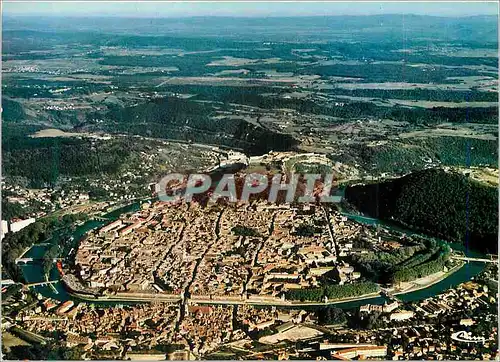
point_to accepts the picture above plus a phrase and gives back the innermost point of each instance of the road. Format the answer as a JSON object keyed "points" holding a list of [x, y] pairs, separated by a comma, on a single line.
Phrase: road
{"points": [[256, 254], [185, 295], [330, 230], [284, 303]]}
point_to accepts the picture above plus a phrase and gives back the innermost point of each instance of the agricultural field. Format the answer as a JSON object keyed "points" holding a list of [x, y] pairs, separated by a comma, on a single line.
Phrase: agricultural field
{"points": [[260, 92], [400, 110], [380, 104]]}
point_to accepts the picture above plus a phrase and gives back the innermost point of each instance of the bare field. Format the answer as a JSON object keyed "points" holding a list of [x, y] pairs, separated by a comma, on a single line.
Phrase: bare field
{"points": [[293, 334], [418, 103], [487, 175], [9, 340], [52, 132], [484, 83], [443, 132], [232, 61]]}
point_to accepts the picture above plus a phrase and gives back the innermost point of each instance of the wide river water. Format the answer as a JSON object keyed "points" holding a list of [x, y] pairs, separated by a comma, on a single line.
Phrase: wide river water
{"points": [[33, 271]]}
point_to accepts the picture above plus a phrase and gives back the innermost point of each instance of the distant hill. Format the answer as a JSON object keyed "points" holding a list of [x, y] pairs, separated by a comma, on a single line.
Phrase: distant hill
{"points": [[444, 204], [384, 28], [185, 120]]}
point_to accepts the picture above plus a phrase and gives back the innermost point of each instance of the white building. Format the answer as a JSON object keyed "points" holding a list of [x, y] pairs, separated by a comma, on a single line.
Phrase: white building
{"points": [[4, 229], [390, 307], [363, 352], [401, 316], [466, 322], [21, 224]]}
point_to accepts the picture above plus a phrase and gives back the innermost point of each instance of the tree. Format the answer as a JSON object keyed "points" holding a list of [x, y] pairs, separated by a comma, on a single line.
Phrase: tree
{"points": [[331, 315]]}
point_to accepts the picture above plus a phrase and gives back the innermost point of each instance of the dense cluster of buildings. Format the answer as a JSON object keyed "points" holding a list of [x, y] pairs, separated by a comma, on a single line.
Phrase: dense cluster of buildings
{"points": [[208, 327], [217, 252], [385, 308], [210, 257], [73, 193], [258, 319], [459, 323], [469, 296], [112, 330], [46, 200]]}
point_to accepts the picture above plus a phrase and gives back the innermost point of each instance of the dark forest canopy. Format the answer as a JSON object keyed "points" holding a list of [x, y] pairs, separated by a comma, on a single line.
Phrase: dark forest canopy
{"points": [[185, 120], [444, 204]]}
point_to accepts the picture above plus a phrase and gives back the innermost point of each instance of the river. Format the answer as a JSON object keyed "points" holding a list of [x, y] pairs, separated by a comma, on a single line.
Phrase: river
{"points": [[33, 272], [464, 274]]}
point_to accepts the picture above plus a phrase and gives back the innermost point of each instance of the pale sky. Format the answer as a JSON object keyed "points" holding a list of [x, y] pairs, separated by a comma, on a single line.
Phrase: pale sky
{"points": [[183, 9]]}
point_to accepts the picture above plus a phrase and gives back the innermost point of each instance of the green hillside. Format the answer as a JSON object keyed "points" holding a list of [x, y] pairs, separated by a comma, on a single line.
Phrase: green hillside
{"points": [[443, 204]]}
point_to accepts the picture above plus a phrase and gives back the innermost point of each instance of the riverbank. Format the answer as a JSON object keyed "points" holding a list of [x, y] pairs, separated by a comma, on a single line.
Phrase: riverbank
{"points": [[427, 281], [282, 303], [76, 290], [127, 298], [423, 289], [413, 286]]}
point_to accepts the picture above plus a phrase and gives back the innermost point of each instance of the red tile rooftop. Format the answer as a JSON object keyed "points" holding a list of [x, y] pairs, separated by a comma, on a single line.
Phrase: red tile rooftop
{"points": [[200, 309]]}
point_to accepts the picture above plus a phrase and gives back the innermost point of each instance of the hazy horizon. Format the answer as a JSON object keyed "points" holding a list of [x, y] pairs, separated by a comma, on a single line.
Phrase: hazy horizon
{"points": [[245, 9]]}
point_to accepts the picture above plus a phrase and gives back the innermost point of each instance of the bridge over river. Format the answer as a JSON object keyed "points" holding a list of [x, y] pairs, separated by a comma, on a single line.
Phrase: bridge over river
{"points": [[482, 260], [24, 258], [28, 260], [41, 284]]}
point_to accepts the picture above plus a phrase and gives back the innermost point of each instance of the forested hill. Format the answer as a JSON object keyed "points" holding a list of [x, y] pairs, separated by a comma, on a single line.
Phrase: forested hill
{"points": [[444, 204], [181, 119]]}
